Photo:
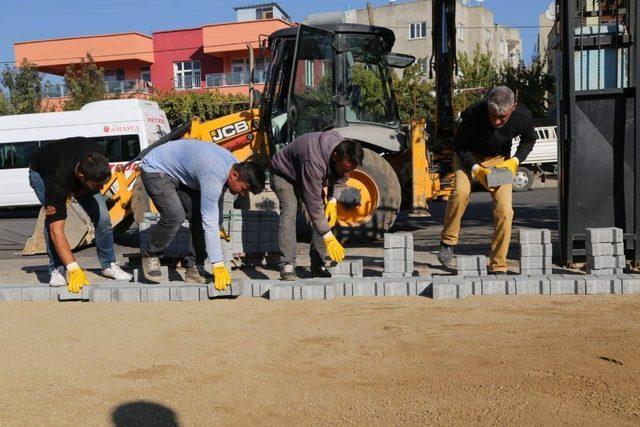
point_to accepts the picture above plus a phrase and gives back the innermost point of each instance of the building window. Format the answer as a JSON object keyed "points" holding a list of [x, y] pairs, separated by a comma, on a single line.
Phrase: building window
{"points": [[503, 48], [145, 74], [186, 75], [418, 30], [308, 73], [264, 12], [460, 32]]}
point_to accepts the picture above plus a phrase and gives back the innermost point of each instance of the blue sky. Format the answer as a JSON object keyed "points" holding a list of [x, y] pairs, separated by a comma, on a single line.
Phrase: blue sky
{"points": [[40, 19]]}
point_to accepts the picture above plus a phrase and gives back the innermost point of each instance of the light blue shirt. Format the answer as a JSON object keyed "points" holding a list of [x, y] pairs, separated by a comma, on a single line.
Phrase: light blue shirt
{"points": [[203, 166]]}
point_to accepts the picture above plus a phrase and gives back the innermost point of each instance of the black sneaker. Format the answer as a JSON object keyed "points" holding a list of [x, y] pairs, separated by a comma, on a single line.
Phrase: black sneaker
{"points": [[320, 271], [447, 257], [288, 272]]}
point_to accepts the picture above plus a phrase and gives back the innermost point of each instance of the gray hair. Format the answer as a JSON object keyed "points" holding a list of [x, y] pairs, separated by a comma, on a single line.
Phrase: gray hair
{"points": [[500, 99]]}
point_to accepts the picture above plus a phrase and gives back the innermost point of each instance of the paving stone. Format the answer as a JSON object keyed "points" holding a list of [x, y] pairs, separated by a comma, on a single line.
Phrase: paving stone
{"points": [[10, 293], [184, 293], [475, 284], [396, 288], [36, 293], [310, 291], [630, 283], [600, 249], [395, 254], [392, 275], [471, 262], [395, 240], [365, 287], [155, 293], [528, 263], [562, 284], [103, 294], [531, 285], [602, 285], [498, 177], [599, 271], [534, 236], [491, 285], [83, 295], [619, 261], [348, 268], [445, 290], [126, 294], [604, 235], [280, 293], [601, 262], [536, 250]]}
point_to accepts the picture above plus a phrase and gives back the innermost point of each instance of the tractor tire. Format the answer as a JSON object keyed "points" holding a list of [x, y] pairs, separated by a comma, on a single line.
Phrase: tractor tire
{"points": [[376, 185]]}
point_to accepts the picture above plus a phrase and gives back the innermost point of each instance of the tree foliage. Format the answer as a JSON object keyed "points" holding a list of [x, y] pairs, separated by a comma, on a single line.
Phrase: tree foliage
{"points": [[22, 89], [530, 84], [85, 83], [414, 94], [182, 106]]}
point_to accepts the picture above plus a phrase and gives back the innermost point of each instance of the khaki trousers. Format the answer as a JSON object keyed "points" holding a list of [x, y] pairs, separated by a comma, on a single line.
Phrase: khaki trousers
{"points": [[502, 212]]}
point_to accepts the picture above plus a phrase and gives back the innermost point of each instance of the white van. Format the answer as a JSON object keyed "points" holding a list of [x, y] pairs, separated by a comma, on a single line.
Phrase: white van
{"points": [[123, 127], [542, 160]]}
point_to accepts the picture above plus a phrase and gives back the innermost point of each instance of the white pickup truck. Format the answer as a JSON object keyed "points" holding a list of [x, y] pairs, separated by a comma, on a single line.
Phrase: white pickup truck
{"points": [[542, 160]]}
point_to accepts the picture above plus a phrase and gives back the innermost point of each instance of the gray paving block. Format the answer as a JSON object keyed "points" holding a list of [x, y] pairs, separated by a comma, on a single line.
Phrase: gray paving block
{"points": [[155, 293], [185, 293], [398, 240], [529, 263], [492, 285], [536, 250], [498, 177], [562, 284], [471, 262], [83, 295], [311, 291], [465, 289], [280, 293], [599, 249], [603, 235], [532, 271], [391, 274], [531, 285], [619, 261], [36, 293], [365, 287], [103, 294], [630, 283], [10, 293], [395, 254], [534, 236], [396, 288], [600, 262], [347, 268], [600, 271], [602, 285], [445, 290], [126, 294]]}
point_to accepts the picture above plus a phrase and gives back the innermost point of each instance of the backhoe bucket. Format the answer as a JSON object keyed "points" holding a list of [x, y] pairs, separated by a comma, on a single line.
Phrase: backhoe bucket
{"points": [[78, 228]]}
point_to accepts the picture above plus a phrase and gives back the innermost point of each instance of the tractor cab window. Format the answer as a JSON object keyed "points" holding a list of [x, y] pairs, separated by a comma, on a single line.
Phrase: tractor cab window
{"points": [[367, 82], [282, 61], [311, 106]]}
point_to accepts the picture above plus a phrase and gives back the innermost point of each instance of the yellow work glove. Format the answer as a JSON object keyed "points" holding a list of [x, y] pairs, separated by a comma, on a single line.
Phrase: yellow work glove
{"points": [[224, 235], [511, 164], [331, 212], [221, 276], [480, 175], [77, 278], [334, 248]]}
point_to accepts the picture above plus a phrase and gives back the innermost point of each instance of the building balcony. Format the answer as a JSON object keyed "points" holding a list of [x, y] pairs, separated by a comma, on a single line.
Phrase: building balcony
{"points": [[59, 90], [234, 79]]}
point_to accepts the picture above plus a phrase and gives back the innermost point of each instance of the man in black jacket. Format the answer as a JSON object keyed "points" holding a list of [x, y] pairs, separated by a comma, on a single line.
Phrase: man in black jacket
{"points": [[73, 167], [483, 141]]}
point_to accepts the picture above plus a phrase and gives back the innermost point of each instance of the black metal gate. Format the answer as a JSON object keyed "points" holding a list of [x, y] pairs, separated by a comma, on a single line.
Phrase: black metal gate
{"points": [[599, 154]]}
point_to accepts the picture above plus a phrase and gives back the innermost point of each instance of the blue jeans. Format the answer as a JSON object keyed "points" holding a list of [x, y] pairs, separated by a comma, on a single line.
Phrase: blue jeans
{"points": [[96, 207]]}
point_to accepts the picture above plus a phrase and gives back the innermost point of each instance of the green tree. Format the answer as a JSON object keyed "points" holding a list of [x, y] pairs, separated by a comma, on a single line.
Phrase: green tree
{"points": [[23, 85], [182, 106], [414, 94], [530, 84], [478, 73], [85, 83]]}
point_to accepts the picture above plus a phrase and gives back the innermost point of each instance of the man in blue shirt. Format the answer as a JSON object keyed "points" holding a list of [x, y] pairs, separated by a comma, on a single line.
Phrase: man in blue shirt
{"points": [[186, 179]]}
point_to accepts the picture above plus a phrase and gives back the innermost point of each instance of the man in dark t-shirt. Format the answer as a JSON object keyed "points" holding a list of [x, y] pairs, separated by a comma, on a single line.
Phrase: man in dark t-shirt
{"points": [[73, 167], [483, 141]]}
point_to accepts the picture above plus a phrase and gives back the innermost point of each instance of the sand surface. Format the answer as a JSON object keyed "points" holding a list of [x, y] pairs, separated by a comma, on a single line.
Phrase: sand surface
{"points": [[363, 361]]}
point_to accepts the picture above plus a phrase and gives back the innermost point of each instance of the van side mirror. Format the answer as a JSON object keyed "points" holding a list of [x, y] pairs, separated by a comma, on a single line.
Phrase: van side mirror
{"points": [[399, 60]]}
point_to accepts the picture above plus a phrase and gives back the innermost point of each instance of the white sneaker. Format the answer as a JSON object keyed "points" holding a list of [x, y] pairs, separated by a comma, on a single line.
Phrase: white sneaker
{"points": [[116, 273], [58, 277]]}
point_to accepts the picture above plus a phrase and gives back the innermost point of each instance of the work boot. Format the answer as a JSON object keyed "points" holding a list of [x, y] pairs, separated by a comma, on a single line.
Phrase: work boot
{"points": [[446, 256], [151, 269], [288, 272], [320, 271], [192, 275]]}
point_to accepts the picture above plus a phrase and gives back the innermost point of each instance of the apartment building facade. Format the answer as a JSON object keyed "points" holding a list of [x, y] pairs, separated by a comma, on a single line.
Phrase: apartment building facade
{"points": [[210, 57], [412, 23]]}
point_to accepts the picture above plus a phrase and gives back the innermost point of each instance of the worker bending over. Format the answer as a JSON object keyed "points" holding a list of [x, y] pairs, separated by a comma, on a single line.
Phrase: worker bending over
{"points": [[483, 141], [187, 179], [298, 174], [73, 167]]}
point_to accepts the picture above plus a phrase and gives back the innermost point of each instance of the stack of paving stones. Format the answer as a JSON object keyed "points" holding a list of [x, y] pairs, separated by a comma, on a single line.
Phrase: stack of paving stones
{"points": [[179, 247], [535, 252], [471, 265], [605, 251], [347, 268], [398, 255], [252, 232]]}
